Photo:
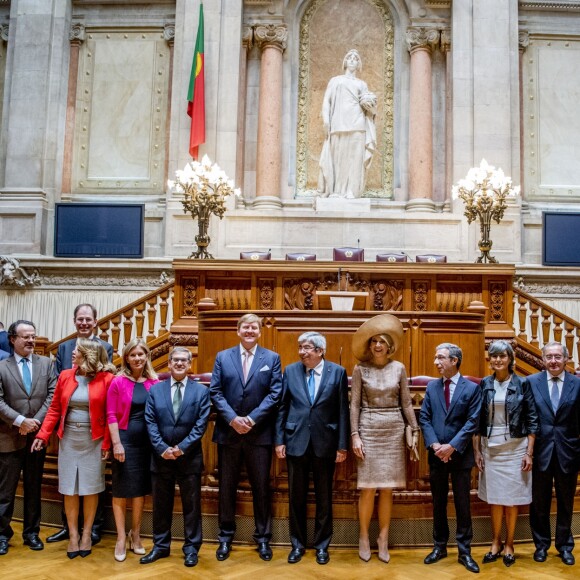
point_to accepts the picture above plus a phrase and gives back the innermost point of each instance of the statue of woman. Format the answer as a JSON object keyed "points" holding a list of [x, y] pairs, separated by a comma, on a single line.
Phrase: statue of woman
{"points": [[348, 113]]}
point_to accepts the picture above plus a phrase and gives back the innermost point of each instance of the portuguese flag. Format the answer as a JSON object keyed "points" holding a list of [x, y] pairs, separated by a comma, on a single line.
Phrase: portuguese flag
{"points": [[195, 95]]}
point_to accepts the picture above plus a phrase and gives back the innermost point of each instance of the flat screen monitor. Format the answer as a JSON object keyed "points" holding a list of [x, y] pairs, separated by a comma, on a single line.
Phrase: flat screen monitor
{"points": [[561, 239], [99, 230]]}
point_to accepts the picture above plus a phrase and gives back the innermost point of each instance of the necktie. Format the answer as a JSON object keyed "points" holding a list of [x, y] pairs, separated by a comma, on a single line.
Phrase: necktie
{"points": [[447, 393], [245, 365], [311, 385], [177, 398], [554, 394], [26, 376]]}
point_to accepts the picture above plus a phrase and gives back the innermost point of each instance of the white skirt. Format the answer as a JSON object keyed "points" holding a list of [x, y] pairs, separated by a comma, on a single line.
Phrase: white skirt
{"points": [[503, 482]]}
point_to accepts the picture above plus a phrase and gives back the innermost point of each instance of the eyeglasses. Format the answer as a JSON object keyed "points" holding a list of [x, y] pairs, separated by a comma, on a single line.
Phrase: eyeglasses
{"points": [[441, 357], [554, 357], [29, 337], [306, 347], [180, 360]]}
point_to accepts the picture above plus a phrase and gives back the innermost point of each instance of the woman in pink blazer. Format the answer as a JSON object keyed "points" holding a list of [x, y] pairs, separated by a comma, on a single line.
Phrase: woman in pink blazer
{"points": [[131, 447]]}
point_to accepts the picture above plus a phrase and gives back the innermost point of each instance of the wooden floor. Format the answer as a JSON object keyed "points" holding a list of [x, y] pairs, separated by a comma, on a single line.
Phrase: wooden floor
{"points": [[52, 564]]}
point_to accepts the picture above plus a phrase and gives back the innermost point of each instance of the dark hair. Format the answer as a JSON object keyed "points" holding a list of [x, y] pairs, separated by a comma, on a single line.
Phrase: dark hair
{"points": [[501, 346], [13, 328], [85, 306]]}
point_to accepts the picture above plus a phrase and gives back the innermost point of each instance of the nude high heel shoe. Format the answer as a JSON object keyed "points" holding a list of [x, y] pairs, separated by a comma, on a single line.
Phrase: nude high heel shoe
{"points": [[139, 551], [120, 556], [384, 555], [364, 549]]}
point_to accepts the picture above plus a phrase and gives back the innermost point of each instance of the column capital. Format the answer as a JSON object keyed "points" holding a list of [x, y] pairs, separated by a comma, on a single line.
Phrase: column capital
{"points": [[420, 37], [4, 30], [77, 33], [247, 36], [446, 40], [169, 32], [523, 40], [274, 35]]}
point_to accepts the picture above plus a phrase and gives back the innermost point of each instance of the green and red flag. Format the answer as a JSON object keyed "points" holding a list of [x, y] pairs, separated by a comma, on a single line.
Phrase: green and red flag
{"points": [[195, 95]]}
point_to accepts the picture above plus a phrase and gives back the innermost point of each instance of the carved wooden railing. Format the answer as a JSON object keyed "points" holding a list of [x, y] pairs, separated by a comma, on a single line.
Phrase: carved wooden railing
{"points": [[537, 323], [148, 318]]}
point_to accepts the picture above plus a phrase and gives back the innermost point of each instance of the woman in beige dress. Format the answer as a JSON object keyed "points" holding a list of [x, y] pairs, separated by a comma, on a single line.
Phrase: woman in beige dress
{"points": [[379, 398]]}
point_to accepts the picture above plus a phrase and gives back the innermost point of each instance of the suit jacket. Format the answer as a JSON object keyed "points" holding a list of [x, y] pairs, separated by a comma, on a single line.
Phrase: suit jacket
{"points": [[560, 431], [4, 354], [185, 430], [258, 397], [4, 342], [455, 426], [14, 400], [65, 350], [325, 423], [65, 387]]}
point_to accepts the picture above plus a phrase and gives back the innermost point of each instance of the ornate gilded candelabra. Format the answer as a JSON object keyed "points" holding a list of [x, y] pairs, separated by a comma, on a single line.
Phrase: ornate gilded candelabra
{"points": [[484, 192], [205, 188]]}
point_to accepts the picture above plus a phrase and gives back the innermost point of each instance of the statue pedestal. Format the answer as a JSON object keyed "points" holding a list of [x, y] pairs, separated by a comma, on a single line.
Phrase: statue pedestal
{"points": [[342, 204]]}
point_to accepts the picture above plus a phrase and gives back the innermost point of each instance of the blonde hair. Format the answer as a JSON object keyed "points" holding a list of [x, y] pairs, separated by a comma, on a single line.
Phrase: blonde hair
{"points": [[148, 371], [95, 358], [386, 338], [250, 318]]}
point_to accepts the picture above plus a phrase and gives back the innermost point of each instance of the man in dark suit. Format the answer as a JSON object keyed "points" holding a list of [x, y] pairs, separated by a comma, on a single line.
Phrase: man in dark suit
{"points": [[85, 321], [246, 385], [556, 452], [27, 383], [4, 342], [449, 417], [312, 433], [176, 414]]}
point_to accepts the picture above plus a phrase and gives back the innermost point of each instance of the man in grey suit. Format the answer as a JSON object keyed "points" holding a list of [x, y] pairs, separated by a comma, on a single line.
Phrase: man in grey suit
{"points": [[449, 418], [556, 452], [313, 434], [246, 385], [27, 383], [176, 414], [85, 321]]}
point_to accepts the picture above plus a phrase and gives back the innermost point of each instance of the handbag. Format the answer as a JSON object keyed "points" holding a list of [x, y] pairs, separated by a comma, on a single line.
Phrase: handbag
{"points": [[413, 451]]}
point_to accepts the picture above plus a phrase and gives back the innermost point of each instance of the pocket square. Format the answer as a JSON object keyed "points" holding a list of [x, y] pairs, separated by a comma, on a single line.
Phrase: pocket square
{"points": [[265, 368]]}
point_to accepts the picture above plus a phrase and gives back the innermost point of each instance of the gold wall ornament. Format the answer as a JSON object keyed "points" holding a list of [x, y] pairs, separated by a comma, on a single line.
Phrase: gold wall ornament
{"points": [[205, 188], [484, 192]]}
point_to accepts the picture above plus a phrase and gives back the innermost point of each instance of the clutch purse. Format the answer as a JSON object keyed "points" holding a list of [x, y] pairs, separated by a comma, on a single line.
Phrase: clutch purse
{"points": [[413, 451]]}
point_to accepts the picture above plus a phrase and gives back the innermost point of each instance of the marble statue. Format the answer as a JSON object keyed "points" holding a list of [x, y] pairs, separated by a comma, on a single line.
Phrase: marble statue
{"points": [[348, 113]]}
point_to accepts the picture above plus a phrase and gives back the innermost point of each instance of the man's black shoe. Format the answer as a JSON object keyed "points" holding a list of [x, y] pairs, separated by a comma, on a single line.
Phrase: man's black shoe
{"points": [[469, 563], [295, 555], [59, 536], [264, 551], [223, 551], [567, 557], [540, 555], [34, 543], [3, 547], [153, 556], [191, 560], [322, 556], [435, 555]]}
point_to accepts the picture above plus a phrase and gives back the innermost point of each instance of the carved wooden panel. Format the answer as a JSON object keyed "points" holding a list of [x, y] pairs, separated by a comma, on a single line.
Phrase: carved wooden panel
{"points": [[190, 297], [228, 293], [266, 287], [497, 301], [421, 295], [387, 294], [457, 296]]}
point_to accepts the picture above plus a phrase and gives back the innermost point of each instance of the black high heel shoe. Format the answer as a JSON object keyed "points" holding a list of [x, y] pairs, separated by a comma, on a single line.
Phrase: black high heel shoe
{"points": [[74, 554], [509, 560], [491, 557]]}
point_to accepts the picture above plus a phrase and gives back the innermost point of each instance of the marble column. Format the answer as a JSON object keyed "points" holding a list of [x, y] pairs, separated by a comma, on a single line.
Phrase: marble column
{"points": [[77, 37], [446, 49], [247, 42], [271, 39], [523, 43], [421, 42]]}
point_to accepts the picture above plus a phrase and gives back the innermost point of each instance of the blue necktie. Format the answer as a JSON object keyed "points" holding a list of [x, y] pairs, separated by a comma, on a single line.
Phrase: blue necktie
{"points": [[555, 394], [311, 385], [26, 376]]}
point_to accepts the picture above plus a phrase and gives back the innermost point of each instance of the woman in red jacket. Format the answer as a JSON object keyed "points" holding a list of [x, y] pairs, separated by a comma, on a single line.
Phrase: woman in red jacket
{"points": [[79, 404]]}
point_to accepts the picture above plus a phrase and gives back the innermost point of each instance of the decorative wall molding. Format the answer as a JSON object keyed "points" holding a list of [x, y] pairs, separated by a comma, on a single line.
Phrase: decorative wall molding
{"points": [[169, 32], [96, 280], [77, 32], [446, 39], [247, 36], [523, 39], [13, 275], [422, 37], [567, 5], [4, 31], [275, 35]]}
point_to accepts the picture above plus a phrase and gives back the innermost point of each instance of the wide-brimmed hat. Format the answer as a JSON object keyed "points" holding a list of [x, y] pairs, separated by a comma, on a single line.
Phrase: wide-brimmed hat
{"points": [[381, 324]]}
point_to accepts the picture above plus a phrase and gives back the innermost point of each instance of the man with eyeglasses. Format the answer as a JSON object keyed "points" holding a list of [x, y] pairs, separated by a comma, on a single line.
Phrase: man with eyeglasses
{"points": [[449, 418], [312, 434], [556, 452], [27, 383], [246, 384], [176, 414]]}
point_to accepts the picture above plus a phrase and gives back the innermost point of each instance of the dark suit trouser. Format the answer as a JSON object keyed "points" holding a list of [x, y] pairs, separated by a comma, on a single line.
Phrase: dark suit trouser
{"points": [[461, 484], [11, 464], [258, 460], [163, 499], [298, 476], [565, 485]]}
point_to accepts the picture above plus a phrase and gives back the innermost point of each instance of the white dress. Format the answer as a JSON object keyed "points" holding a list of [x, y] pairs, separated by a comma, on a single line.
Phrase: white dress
{"points": [[503, 482]]}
